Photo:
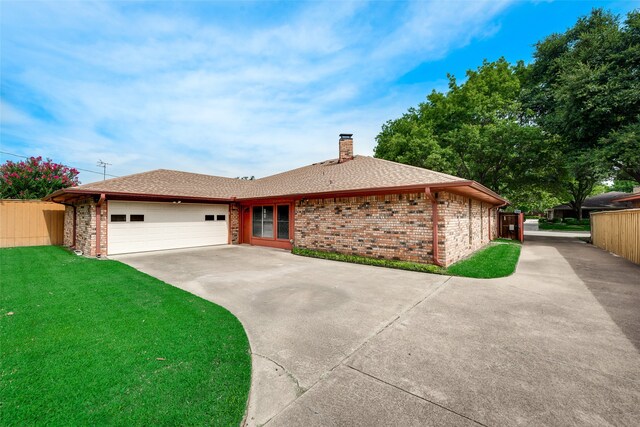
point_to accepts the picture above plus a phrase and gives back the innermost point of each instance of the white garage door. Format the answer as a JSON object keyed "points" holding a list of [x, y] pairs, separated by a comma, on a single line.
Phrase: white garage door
{"points": [[150, 226]]}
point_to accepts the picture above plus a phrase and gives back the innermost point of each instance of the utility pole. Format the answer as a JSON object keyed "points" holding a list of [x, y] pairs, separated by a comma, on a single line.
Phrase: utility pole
{"points": [[104, 168]]}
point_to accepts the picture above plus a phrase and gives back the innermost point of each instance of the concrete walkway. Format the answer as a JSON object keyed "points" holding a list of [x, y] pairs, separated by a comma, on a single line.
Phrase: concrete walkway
{"points": [[337, 344]]}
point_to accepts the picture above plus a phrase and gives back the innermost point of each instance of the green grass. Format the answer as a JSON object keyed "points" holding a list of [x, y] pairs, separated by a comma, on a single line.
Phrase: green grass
{"points": [[563, 226], [356, 259], [499, 259], [88, 342]]}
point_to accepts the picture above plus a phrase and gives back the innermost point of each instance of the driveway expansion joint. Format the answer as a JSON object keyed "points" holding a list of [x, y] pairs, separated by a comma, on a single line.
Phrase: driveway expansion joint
{"points": [[415, 395], [430, 294], [299, 390]]}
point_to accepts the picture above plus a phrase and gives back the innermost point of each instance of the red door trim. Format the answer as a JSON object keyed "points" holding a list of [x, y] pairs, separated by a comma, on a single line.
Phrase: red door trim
{"points": [[270, 242]]}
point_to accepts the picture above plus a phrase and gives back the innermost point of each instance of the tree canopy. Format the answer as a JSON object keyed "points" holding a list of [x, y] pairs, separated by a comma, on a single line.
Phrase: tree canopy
{"points": [[477, 130], [584, 86], [554, 128], [34, 178]]}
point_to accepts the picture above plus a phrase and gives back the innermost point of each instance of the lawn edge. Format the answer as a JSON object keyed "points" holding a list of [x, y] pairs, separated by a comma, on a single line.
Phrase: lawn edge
{"points": [[68, 251], [405, 265]]}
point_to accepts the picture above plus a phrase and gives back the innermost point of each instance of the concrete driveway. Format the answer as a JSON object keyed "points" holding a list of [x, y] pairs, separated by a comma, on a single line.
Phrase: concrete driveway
{"points": [[339, 344]]}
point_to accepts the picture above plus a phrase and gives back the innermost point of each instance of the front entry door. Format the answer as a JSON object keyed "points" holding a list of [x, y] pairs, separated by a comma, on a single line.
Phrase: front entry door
{"points": [[246, 225]]}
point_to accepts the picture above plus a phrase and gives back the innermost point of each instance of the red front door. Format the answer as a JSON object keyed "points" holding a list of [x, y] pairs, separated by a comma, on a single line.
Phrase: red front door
{"points": [[246, 225]]}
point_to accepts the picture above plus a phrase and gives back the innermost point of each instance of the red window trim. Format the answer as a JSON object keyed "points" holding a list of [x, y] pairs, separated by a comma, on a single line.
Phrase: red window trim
{"points": [[275, 221]]}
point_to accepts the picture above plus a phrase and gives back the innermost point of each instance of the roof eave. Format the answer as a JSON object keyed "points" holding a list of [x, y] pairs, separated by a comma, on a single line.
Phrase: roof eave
{"points": [[459, 187], [493, 198], [628, 198], [70, 192]]}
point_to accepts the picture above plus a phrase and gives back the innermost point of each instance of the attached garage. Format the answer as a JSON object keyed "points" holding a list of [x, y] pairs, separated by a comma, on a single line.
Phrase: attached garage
{"points": [[153, 226]]}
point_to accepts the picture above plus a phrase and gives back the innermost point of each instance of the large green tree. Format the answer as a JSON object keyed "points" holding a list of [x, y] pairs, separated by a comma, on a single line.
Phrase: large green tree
{"points": [[477, 130], [584, 87]]}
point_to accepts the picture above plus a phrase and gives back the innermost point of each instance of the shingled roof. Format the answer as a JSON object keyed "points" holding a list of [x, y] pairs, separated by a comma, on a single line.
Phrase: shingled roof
{"points": [[609, 200], [164, 182], [361, 174]]}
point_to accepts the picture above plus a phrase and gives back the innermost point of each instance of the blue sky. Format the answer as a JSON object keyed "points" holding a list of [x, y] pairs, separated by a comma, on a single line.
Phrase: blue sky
{"points": [[240, 88]]}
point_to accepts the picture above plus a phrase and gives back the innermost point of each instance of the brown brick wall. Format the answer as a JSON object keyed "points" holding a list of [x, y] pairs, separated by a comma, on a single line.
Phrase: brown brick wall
{"points": [[395, 226], [234, 224], [466, 225], [86, 227], [68, 226]]}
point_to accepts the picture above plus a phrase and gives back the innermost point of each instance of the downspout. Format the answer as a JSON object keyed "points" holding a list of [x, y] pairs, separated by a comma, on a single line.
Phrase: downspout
{"points": [[434, 225], [98, 228], [489, 219]]}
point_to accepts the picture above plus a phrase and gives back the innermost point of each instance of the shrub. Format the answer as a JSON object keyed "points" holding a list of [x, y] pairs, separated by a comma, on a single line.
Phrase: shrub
{"points": [[401, 265], [34, 178]]}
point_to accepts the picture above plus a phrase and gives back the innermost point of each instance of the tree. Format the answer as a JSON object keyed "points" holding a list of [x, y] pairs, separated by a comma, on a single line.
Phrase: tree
{"points": [[34, 178], [477, 130], [584, 87], [584, 172], [626, 186]]}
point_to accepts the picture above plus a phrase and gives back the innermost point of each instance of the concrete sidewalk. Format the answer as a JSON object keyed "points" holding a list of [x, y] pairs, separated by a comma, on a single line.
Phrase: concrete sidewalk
{"points": [[557, 343]]}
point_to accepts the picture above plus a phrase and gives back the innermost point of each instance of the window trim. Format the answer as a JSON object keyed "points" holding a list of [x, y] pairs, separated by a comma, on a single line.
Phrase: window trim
{"points": [[124, 216], [274, 236]]}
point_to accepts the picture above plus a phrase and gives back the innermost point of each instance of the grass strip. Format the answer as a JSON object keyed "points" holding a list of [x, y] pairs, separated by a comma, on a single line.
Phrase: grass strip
{"points": [[499, 259], [356, 259], [496, 260], [560, 226]]}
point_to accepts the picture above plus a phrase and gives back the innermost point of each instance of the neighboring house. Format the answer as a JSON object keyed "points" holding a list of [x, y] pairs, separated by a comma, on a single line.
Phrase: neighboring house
{"points": [[632, 199], [602, 202], [353, 204]]}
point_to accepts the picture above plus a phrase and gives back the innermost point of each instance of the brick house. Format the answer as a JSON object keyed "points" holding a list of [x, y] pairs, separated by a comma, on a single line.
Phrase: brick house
{"points": [[632, 199], [353, 205]]}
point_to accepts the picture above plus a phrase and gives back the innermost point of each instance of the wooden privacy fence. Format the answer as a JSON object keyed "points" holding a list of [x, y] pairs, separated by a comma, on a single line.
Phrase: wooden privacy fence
{"points": [[30, 223], [617, 232]]}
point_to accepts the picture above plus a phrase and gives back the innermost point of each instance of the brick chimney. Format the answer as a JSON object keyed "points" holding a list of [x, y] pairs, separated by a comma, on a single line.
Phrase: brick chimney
{"points": [[346, 147]]}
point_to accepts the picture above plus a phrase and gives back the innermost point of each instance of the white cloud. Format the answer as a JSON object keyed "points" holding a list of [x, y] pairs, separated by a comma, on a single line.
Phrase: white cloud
{"points": [[144, 88], [12, 116]]}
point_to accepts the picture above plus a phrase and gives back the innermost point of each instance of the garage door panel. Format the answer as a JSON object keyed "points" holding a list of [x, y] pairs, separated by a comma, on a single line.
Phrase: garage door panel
{"points": [[165, 226]]}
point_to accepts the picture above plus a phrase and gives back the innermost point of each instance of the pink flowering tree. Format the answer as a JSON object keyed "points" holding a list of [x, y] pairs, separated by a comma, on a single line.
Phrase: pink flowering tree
{"points": [[34, 178]]}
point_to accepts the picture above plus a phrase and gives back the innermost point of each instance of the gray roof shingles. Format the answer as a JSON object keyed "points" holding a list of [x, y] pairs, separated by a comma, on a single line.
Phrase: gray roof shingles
{"points": [[601, 201]]}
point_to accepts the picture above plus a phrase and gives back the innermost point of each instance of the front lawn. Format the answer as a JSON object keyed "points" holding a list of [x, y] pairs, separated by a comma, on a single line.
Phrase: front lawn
{"points": [[569, 224], [88, 342], [563, 226], [498, 259]]}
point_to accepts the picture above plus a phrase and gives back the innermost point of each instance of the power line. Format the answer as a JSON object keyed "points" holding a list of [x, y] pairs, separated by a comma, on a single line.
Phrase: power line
{"points": [[80, 169], [104, 168]]}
